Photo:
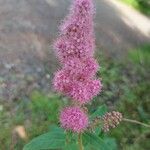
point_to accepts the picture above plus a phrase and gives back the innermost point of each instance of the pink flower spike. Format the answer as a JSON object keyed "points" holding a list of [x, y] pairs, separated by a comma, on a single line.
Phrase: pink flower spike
{"points": [[84, 92], [76, 33], [74, 119], [74, 48], [61, 82], [83, 68]]}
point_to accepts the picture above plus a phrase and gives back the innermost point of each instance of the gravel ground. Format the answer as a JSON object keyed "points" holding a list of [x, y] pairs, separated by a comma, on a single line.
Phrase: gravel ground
{"points": [[28, 27]]}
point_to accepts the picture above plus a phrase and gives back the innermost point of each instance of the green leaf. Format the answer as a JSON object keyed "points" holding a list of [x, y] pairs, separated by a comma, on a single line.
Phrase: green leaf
{"points": [[51, 140], [93, 142], [111, 142], [55, 128], [98, 130], [100, 111], [71, 147]]}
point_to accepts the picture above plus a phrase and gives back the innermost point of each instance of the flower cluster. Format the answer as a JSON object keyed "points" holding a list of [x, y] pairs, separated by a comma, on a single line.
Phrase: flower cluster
{"points": [[111, 120], [74, 49], [73, 118]]}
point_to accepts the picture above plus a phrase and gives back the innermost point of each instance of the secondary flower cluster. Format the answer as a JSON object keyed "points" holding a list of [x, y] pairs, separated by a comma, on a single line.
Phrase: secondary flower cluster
{"points": [[75, 48], [111, 120], [73, 118], [108, 121]]}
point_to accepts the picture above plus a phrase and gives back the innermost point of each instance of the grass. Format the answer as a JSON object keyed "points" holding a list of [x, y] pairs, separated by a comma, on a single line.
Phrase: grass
{"points": [[141, 5], [34, 113], [126, 88]]}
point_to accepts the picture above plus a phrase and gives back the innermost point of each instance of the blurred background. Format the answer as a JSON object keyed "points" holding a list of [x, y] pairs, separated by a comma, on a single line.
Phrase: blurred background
{"points": [[28, 104]]}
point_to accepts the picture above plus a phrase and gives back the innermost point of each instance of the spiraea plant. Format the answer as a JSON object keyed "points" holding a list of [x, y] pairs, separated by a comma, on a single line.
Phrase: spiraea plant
{"points": [[77, 80]]}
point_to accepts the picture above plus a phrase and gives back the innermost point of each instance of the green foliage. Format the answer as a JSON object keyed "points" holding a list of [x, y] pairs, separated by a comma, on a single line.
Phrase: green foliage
{"points": [[125, 88], [141, 5], [58, 139], [140, 55], [71, 147], [100, 111], [35, 113], [94, 142], [44, 106], [44, 110], [128, 92], [54, 139], [109, 143]]}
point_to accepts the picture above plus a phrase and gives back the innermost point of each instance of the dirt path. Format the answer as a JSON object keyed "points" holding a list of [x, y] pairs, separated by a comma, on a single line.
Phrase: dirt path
{"points": [[119, 27], [28, 27]]}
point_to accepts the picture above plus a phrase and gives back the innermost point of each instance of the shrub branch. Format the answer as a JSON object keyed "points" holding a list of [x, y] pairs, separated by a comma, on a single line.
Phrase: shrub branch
{"points": [[136, 122]]}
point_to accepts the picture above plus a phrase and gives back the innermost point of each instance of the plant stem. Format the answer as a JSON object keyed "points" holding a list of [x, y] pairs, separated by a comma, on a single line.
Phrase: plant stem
{"points": [[136, 122], [80, 141]]}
